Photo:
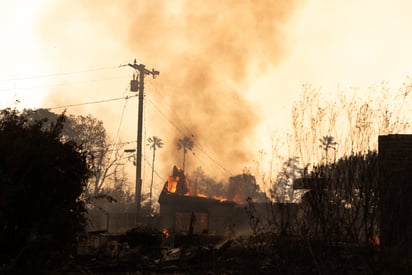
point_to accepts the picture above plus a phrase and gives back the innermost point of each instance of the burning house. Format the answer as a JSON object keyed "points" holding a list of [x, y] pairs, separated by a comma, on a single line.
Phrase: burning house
{"points": [[184, 211]]}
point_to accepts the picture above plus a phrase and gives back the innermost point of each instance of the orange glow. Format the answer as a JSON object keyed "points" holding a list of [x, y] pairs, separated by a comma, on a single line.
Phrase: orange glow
{"points": [[219, 198], [166, 233], [175, 185], [376, 240], [200, 195], [237, 198], [172, 183]]}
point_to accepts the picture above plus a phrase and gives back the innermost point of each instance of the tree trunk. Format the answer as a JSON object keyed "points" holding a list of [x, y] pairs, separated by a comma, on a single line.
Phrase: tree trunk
{"points": [[184, 160], [151, 183]]}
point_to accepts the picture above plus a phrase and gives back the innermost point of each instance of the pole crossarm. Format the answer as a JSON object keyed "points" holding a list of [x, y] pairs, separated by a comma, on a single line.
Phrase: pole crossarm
{"points": [[141, 68]]}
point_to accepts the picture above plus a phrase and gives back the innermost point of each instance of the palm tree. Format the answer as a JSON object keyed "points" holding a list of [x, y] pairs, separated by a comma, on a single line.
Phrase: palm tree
{"points": [[187, 144], [154, 143], [327, 142]]}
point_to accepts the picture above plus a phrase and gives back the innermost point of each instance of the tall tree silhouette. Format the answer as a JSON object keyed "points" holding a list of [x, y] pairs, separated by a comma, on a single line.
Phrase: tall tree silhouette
{"points": [[154, 143], [89, 132], [186, 144], [327, 142], [42, 179]]}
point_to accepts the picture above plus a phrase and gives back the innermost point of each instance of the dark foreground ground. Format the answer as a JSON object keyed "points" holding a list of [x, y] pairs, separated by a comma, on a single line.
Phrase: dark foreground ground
{"points": [[154, 253], [150, 253]]}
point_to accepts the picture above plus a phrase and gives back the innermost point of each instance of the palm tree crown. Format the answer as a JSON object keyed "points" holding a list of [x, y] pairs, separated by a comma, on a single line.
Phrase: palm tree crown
{"points": [[155, 142], [327, 142], [187, 144]]}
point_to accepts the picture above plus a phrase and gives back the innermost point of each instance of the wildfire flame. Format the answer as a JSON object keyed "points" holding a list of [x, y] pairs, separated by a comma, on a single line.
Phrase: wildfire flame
{"points": [[166, 233], [219, 198], [237, 198], [177, 183], [172, 183], [200, 195], [376, 240], [180, 185]]}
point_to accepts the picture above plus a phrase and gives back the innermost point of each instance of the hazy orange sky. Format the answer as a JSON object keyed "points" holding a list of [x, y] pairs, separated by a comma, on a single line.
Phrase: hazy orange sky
{"points": [[229, 70]]}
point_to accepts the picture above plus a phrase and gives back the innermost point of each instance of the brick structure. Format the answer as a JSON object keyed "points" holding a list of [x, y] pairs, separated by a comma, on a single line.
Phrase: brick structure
{"points": [[395, 181]]}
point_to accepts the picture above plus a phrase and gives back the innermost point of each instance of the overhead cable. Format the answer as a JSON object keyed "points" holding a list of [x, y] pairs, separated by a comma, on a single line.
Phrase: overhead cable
{"points": [[58, 74], [196, 143], [91, 102]]}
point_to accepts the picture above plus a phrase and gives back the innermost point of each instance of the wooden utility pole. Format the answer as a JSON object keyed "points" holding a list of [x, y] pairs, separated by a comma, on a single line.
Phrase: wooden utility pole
{"points": [[137, 85]]}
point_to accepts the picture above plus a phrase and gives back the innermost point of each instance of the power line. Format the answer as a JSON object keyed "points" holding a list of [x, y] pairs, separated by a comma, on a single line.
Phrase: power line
{"points": [[104, 101], [62, 84], [165, 117], [157, 174], [191, 133], [59, 74], [120, 124], [158, 109], [123, 143], [91, 102], [196, 143]]}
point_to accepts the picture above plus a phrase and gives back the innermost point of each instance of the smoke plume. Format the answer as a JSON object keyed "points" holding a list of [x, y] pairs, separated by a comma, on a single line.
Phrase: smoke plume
{"points": [[207, 52]]}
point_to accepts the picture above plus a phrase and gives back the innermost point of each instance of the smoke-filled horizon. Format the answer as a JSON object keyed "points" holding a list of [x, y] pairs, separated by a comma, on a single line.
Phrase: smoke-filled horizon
{"points": [[207, 55], [225, 68]]}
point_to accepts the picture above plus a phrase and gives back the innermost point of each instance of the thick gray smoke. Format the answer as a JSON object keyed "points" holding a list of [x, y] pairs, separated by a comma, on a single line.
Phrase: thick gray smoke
{"points": [[207, 52]]}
